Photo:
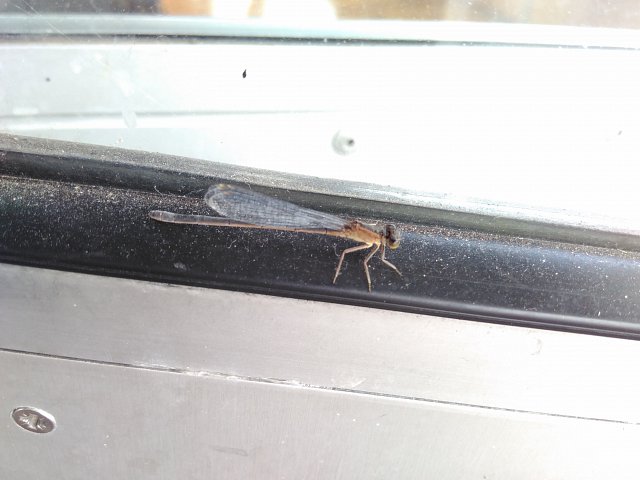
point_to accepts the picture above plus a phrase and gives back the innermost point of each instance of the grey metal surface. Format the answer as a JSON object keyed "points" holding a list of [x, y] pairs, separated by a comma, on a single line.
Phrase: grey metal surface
{"points": [[205, 332], [118, 422]]}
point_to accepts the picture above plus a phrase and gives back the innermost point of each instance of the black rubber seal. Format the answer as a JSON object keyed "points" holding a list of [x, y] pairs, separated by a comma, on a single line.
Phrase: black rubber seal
{"points": [[69, 212]]}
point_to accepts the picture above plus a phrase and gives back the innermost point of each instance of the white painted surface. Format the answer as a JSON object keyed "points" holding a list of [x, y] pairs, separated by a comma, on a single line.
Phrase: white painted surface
{"points": [[538, 129]]}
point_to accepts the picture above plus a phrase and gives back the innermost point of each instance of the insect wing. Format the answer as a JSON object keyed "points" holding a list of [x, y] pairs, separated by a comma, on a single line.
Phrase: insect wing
{"points": [[247, 206]]}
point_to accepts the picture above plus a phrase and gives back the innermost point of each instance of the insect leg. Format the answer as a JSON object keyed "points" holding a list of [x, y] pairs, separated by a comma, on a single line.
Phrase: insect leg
{"points": [[366, 263], [388, 263], [344, 252]]}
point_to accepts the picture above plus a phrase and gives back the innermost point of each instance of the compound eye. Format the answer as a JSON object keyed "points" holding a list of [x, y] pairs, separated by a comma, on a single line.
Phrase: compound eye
{"points": [[392, 236]]}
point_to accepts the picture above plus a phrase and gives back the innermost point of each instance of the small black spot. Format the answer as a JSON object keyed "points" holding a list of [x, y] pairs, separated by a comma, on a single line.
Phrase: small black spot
{"points": [[351, 142], [619, 132], [47, 79], [244, 74]]}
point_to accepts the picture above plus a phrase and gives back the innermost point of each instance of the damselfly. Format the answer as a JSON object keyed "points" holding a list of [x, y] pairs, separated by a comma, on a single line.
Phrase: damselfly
{"points": [[245, 208]]}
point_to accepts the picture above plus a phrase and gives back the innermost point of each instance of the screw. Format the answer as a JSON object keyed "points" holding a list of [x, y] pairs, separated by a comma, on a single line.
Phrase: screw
{"points": [[33, 419]]}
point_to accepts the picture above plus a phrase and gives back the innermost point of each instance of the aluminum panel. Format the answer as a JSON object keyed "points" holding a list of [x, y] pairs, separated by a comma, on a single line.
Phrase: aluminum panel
{"points": [[207, 331], [117, 422]]}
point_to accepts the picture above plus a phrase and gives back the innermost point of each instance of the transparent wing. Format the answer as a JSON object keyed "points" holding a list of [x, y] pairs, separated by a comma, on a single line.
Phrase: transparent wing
{"points": [[247, 206]]}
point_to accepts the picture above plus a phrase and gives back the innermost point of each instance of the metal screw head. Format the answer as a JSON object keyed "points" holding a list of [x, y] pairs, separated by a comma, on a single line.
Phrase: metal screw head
{"points": [[33, 419]]}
